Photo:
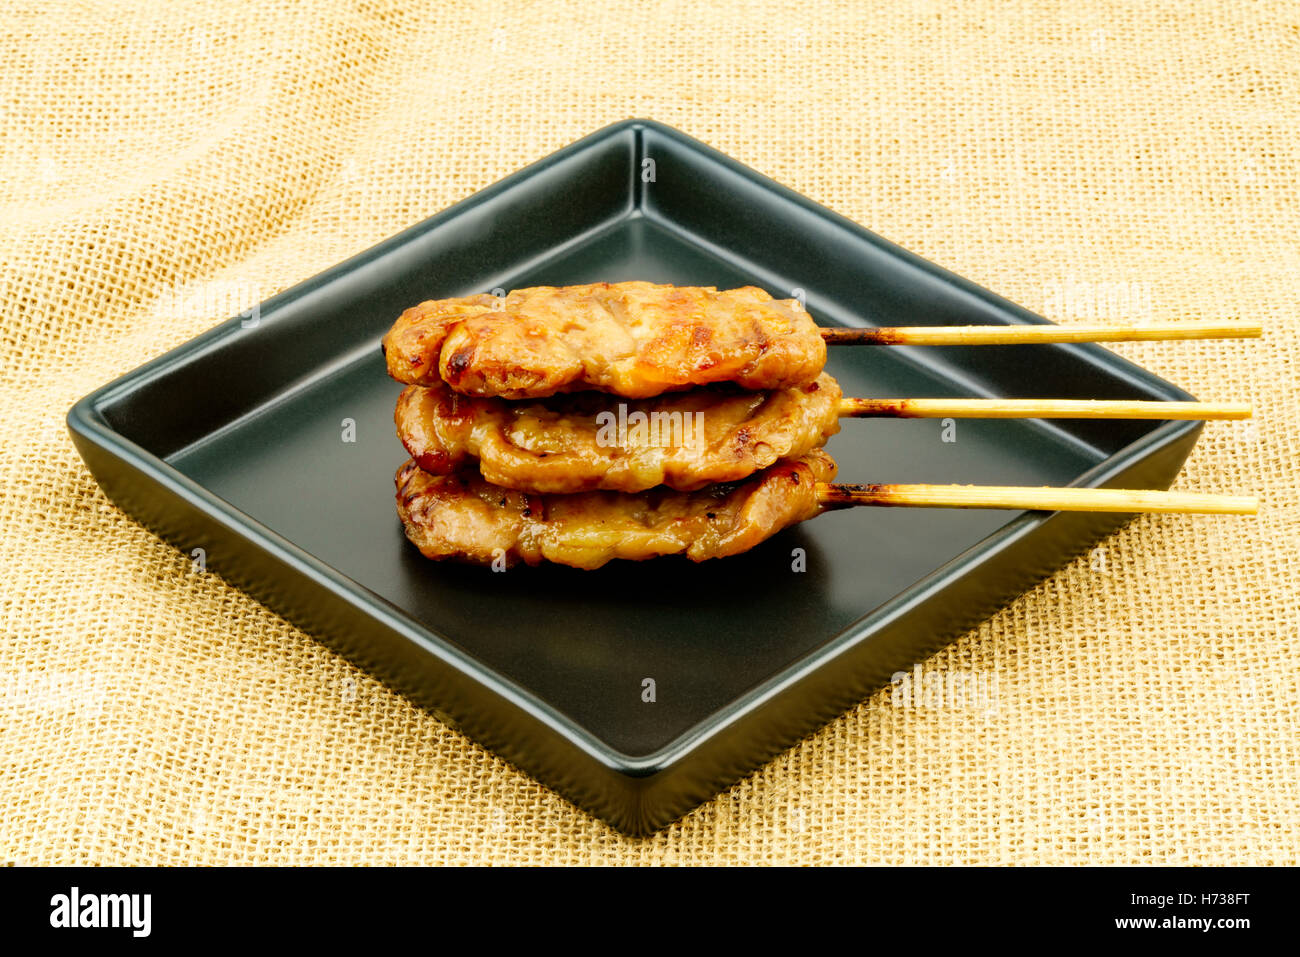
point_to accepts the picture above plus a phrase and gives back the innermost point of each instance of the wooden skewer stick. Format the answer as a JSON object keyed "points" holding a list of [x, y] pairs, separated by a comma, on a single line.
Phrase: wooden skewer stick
{"points": [[1020, 335], [1039, 409], [1029, 497]]}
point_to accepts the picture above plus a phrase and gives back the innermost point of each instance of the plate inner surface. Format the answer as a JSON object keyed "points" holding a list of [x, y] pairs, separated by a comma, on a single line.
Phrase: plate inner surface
{"points": [[585, 641]]}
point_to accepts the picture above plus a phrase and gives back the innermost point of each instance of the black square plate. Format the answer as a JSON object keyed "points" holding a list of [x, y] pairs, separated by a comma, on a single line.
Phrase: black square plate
{"points": [[233, 443]]}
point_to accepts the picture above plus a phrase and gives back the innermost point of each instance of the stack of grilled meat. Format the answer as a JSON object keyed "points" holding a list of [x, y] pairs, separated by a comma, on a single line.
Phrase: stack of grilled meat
{"points": [[580, 424]]}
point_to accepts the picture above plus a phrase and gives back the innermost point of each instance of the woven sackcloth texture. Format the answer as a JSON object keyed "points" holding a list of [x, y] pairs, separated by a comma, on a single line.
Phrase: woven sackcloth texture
{"points": [[165, 165]]}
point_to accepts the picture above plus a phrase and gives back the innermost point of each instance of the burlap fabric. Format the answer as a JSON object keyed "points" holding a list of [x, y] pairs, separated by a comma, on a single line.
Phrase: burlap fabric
{"points": [[165, 165]]}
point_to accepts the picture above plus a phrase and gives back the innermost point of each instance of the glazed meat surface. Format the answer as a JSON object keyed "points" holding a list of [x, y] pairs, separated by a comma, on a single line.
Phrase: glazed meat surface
{"points": [[465, 518], [634, 339], [585, 441]]}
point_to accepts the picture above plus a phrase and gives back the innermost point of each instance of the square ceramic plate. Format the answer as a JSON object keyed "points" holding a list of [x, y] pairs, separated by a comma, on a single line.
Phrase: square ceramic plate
{"points": [[233, 443]]}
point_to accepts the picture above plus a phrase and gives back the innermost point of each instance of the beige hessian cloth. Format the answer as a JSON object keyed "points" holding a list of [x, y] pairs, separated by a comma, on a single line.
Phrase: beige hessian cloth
{"points": [[166, 165]]}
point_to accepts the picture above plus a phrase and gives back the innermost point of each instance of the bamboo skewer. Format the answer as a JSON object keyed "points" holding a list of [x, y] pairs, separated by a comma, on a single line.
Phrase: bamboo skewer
{"points": [[1021, 335], [1039, 409], [836, 496]]}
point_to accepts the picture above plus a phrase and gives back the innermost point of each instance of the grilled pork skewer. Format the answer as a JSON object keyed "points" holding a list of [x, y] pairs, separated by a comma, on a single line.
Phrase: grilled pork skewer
{"points": [[465, 518], [638, 339], [586, 441], [633, 339], [685, 440]]}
